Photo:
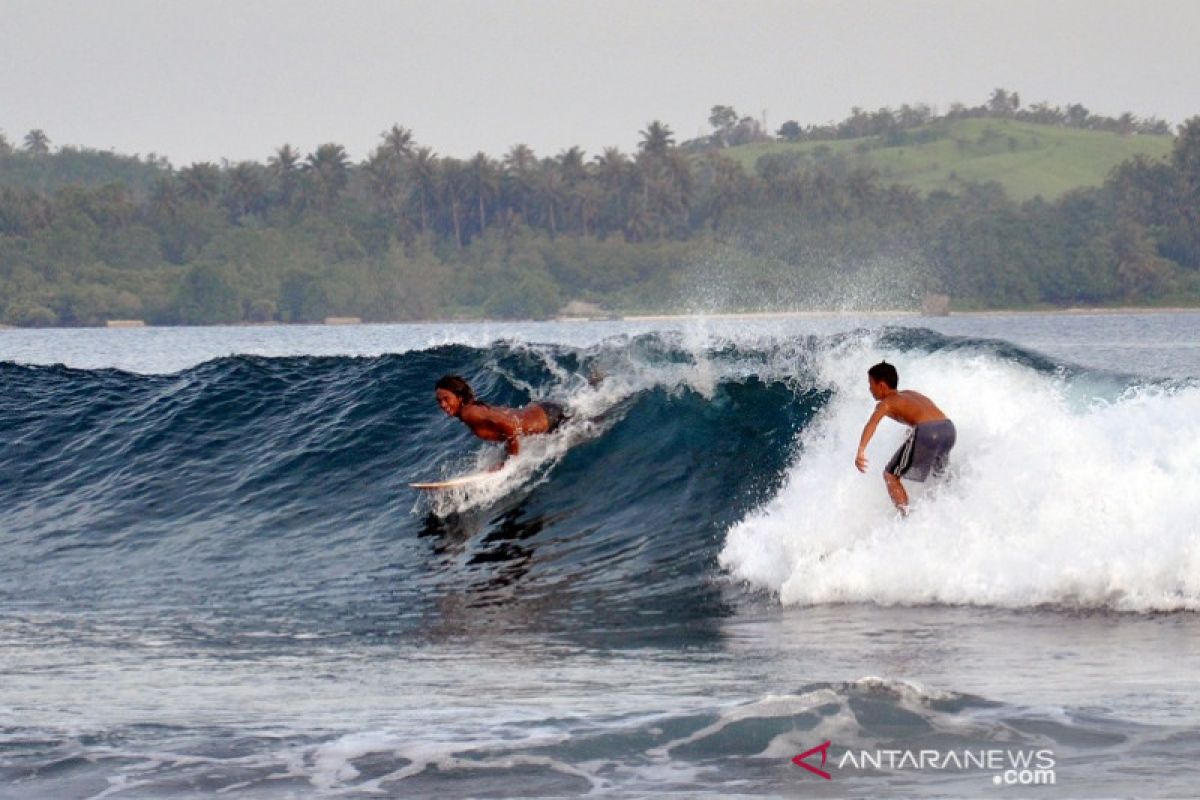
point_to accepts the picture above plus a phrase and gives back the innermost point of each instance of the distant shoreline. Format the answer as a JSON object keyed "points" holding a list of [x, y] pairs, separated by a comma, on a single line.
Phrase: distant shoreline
{"points": [[908, 313], [671, 317]]}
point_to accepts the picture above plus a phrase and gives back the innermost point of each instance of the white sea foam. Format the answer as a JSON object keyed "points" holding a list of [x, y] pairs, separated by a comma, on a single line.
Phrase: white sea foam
{"points": [[1056, 496], [531, 467]]}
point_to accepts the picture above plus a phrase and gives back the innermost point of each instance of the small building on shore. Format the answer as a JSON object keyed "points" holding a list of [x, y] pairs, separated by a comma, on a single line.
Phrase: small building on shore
{"points": [[125, 323], [584, 310], [343, 320], [936, 305]]}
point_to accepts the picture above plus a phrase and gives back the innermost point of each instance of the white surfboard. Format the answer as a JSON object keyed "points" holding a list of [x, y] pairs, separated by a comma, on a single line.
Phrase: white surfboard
{"points": [[459, 482]]}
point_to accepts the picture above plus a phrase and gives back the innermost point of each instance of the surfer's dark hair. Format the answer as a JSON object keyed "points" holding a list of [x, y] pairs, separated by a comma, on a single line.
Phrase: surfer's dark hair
{"points": [[457, 386], [885, 372]]}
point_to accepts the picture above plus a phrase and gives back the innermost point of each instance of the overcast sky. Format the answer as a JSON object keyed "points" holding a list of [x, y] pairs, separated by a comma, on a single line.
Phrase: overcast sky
{"points": [[208, 79]]}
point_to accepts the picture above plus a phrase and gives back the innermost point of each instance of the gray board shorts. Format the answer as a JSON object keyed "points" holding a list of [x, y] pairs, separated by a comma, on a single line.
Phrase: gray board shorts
{"points": [[927, 450], [556, 414]]}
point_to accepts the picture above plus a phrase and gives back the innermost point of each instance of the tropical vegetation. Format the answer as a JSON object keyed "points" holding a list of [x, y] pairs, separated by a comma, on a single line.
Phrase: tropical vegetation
{"points": [[805, 218]]}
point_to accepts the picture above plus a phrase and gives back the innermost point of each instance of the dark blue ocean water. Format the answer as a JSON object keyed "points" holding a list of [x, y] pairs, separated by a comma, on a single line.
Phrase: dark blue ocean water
{"points": [[215, 579]]}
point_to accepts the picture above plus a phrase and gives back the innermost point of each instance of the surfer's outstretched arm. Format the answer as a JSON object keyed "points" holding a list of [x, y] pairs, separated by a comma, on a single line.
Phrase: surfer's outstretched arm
{"points": [[512, 447], [860, 460]]}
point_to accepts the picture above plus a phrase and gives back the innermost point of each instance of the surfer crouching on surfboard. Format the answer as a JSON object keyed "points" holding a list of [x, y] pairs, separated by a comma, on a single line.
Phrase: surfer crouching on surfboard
{"points": [[928, 446], [497, 423]]}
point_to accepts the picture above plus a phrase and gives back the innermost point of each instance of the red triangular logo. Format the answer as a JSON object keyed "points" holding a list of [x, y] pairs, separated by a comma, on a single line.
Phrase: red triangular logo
{"points": [[824, 751]]}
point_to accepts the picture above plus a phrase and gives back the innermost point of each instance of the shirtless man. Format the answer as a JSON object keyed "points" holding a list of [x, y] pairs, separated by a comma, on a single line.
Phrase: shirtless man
{"points": [[497, 423], [927, 448]]}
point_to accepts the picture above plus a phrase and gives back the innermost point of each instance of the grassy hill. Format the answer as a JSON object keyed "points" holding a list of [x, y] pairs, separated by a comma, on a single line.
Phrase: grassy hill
{"points": [[1025, 158]]}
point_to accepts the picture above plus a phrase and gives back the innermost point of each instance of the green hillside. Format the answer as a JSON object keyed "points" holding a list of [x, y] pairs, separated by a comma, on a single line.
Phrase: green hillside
{"points": [[1025, 158]]}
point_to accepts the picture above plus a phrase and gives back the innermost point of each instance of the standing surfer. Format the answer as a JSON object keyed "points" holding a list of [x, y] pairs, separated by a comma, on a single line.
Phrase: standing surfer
{"points": [[928, 446], [497, 423]]}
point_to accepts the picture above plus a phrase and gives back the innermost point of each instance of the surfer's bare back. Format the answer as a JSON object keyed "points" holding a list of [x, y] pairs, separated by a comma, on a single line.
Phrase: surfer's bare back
{"points": [[928, 446], [496, 423]]}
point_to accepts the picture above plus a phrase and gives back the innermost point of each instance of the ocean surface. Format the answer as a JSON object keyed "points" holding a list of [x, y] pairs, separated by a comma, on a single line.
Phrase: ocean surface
{"points": [[215, 580]]}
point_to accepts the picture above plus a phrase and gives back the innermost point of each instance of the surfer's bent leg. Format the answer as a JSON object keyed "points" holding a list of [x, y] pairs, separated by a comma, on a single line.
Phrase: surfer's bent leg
{"points": [[898, 465], [896, 491]]}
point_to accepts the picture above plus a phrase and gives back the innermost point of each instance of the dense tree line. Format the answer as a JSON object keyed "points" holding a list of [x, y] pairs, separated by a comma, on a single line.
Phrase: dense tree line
{"points": [[406, 234], [32, 166]]}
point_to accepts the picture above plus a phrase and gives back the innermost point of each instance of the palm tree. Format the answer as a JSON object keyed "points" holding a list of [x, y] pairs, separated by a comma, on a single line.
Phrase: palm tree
{"points": [[245, 190], [551, 193], [398, 142], [642, 224], [612, 167], [613, 170], [585, 199], [661, 179], [519, 166], [385, 177], [665, 182], [485, 184], [647, 168], [284, 166], [668, 190], [657, 138], [200, 182], [452, 182], [571, 162], [520, 158], [423, 167], [37, 142], [329, 171]]}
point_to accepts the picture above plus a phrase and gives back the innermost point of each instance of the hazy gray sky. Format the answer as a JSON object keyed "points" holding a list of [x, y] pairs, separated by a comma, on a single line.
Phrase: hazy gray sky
{"points": [[206, 79]]}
